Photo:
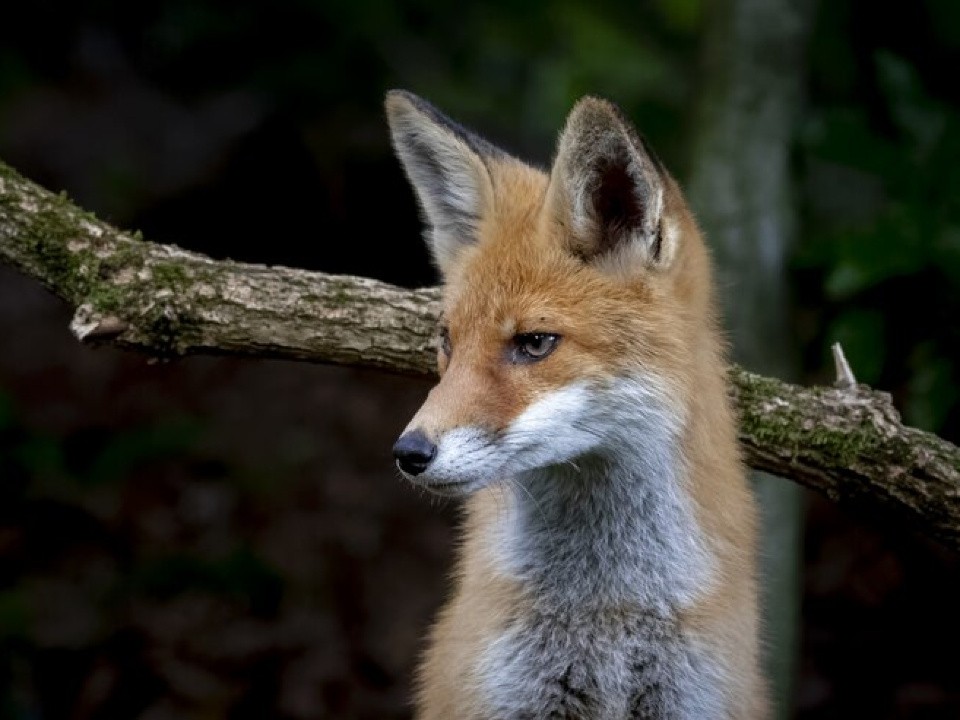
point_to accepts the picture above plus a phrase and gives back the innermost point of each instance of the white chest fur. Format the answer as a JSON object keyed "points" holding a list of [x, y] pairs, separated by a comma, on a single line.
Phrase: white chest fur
{"points": [[608, 552]]}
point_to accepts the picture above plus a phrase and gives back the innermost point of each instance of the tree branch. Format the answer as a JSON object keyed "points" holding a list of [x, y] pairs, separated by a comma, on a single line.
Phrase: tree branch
{"points": [[847, 442]]}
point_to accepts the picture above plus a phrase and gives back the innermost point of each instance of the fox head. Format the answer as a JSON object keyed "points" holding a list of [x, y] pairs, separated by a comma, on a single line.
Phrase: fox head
{"points": [[571, 303]]}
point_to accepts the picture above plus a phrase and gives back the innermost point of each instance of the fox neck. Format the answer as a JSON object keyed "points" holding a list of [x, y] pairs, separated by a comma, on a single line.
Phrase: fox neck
{"points": [[611, 529]]}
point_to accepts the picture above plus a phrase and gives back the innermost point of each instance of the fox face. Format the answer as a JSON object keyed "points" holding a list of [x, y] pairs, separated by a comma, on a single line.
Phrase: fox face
{"points": [[564, 335]]}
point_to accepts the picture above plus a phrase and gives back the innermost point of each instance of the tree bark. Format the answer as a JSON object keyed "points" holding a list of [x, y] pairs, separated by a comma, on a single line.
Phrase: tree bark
{"points": [[166, 302]]}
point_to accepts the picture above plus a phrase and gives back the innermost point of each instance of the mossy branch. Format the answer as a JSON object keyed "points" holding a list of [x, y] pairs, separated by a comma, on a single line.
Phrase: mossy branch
{"points": [[847, 442]]}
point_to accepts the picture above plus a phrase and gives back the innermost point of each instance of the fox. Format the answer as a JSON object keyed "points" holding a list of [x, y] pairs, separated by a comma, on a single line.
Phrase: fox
{"points": [[607, 564]]}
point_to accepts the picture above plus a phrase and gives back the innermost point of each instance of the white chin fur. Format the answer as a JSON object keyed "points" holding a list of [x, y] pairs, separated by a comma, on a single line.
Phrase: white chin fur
{"points": [[560, 427]]}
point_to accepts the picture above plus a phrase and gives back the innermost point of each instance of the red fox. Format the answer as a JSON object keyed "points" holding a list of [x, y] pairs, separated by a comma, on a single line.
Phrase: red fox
{"points": [[607, 569]]}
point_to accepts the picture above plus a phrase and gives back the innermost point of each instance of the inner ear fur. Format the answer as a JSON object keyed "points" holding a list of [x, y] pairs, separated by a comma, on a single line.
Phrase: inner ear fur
{"points": [[607, 189], [446, 165]]}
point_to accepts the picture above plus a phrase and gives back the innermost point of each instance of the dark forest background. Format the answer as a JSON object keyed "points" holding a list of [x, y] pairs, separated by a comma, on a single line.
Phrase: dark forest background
{"points": [[213, 538]]}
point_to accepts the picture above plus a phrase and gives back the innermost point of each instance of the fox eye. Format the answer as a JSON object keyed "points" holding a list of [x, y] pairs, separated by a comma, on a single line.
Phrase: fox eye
{"points": [[445, 345], [531, 347]]}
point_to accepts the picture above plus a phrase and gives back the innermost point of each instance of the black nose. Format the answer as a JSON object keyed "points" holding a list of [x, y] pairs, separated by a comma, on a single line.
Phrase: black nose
{"points": [[413, 452]]}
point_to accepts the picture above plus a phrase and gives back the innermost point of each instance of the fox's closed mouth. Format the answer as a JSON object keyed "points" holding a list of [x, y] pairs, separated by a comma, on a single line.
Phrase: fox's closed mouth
{"points": [[441, 486]]}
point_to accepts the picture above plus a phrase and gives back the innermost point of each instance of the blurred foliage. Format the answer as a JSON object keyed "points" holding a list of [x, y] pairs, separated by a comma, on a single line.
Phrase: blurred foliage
{"points": [[879, 266], [75, 560]]}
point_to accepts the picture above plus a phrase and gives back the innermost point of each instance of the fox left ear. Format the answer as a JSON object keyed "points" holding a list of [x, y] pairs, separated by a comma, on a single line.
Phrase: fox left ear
{"points": [[607, 189], [446, 165]]}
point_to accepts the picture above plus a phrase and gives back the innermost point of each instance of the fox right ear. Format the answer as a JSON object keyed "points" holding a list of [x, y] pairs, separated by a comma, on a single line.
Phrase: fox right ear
{"points": [[444, 163], [607, 188]]}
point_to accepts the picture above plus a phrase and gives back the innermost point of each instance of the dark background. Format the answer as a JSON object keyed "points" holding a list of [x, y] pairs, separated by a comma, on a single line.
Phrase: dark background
{"points": [[212, 538]]}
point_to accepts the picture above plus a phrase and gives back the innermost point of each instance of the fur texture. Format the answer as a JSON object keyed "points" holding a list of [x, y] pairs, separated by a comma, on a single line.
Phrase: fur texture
{"points": [[607, 568]]}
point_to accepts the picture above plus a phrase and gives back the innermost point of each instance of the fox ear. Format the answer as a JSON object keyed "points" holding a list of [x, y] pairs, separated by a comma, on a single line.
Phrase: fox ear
{"points": [[607, 189], [444, 163]]}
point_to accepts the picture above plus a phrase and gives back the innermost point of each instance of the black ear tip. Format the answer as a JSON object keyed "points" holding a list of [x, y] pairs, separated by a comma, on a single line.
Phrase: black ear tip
{"points": [[398, 100], [592, 107], [405, 101], [593, 101]]}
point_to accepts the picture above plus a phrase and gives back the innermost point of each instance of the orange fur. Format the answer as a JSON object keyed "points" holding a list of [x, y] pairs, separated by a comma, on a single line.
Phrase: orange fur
{"points": [[521, 276]]}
